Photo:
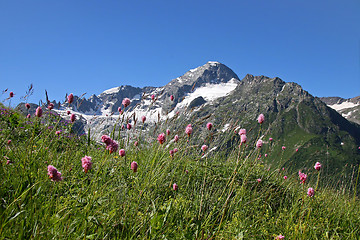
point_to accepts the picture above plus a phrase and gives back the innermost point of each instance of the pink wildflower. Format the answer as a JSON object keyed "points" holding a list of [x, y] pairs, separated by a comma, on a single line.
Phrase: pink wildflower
{"points": [[271, 139], [9, 142], [266, 155], [261, 118], [72, 118], [28, 116], [171, 152], [136, 143], [242, 131], [175, 187], [176, 150], [168, 131], [285, 177], [111, 145], [188, 130], [280, 237], [86, 163], [176, 138], [68, 112], [143, 119], [302, 177], [243, 138], [134, 166], [311, 192], [259, 143], [122, 152], [70, 98], [53, 173], [50, 106], [27, 105], [11, 94], [119, 110], [161, 138], [259, 179], [38, 112], [283, 147], [126, 102], [128, 126], [152, 97], [209, 126], [317, 166], [204, 147], [57, 133], [172, 98]]}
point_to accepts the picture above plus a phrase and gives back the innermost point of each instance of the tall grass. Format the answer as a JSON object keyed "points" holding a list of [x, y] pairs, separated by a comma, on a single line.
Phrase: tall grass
{"points": [[219, 196]]}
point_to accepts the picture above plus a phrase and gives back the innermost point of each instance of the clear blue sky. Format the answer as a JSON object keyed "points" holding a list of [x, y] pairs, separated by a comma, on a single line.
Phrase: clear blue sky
{"points": [[90, 46]]}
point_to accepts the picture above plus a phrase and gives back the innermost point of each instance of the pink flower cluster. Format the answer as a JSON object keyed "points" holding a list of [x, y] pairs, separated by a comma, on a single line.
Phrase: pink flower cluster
{"points": [[209, 126], [188, 130], [302, 177], [317, 166], [111, 145], [259, 143], [204, 147], [86, 163], [38, 112], [126, 102], [122, 153], [161, 138], [311, 192], [261, 118], [134, 166], [70, 98], [53, 173]]}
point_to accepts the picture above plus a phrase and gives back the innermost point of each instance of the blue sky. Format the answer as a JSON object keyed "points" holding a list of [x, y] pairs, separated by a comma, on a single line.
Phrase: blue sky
{"points": [[90, 46]]}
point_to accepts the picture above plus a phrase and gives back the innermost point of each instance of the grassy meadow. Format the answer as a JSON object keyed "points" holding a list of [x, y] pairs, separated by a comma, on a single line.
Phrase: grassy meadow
{"points": [[174, 190]]}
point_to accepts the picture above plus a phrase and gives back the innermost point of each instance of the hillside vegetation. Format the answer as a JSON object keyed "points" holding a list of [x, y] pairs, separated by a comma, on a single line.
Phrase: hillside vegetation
{"points": [[59, 185]]}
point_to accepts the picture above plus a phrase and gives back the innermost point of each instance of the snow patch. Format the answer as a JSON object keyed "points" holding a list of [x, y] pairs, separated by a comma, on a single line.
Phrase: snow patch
{"points": [[111, 90], [343, 105]]}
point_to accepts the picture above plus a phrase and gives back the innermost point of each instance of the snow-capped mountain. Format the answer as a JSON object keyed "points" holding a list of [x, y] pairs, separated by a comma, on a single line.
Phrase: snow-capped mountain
{"points": [[348, 108]]}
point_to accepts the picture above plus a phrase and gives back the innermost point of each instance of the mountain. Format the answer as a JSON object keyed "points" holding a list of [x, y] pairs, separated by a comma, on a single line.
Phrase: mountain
{"points": [[214, 93], [348, 108]]}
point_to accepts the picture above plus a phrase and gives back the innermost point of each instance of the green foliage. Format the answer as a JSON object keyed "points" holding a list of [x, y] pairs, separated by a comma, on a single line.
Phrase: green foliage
{"points": [[219, 196]]}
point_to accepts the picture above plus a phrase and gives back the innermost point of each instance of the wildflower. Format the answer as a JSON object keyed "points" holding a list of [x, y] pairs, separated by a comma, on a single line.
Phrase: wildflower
{"points": [[161, 138], [11, 94], [136, 143], [188, 130], [128, 126], [171, 152], [311, 192], [186, 171], [38, 112], [27, 105], [168, 131], [57, 133], [176, 138], [111, 145], [259, 143], [283, 147], [175, 187], [209, 126], [134, 166], [9, 142], [53, 173], [285, 177], [204, 147], [259, 179], [126, 102], [266, 155], [28, 116], [243, 138], [143, 119], [297, 150], [70, 98], [242, 131], [122, 152], [172, 98], [271, 139], [302, 177], [68, 112], [86, 163], [72, 118], [317, 166], [280, 237], [119, 110], [176, 150], [261, 118], [50, 106], [152, 97]]}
